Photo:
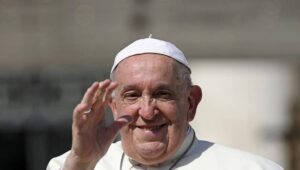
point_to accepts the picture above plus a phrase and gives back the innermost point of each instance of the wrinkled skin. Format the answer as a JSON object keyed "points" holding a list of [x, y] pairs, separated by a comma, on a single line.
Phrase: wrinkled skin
{"points": [[151, 108], [160, 103]]}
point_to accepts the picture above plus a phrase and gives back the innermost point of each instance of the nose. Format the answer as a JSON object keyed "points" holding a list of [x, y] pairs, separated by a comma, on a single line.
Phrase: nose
{"points": [[147, 108]]}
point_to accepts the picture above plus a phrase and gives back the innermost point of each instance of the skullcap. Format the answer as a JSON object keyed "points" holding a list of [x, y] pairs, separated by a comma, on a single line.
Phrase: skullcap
{"points": [[151, 45]]}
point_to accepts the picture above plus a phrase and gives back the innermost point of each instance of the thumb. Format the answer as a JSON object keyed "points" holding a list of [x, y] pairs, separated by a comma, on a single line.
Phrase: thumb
{"points": [[120, 122]]}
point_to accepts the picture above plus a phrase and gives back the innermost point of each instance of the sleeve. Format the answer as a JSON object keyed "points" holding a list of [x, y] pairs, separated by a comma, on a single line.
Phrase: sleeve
{"points": [[57, 163]]}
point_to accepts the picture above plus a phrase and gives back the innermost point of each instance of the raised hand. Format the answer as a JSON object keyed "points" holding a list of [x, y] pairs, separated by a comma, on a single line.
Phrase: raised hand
{"points": [[90, 138]]}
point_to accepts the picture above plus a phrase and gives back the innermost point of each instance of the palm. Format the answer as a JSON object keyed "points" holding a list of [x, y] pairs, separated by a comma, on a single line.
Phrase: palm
{"points": [[90, 138]]}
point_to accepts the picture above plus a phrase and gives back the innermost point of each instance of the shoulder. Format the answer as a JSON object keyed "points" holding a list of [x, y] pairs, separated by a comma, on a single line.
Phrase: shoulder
{"points": [[215, 156], [112, 156], [114, 152]]}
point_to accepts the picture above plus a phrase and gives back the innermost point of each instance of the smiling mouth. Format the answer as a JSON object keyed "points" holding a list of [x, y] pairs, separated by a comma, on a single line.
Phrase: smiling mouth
{"points": [[148, 127]]}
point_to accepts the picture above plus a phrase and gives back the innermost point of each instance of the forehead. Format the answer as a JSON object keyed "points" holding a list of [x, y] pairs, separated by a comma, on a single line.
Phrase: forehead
{"points": [[151, 67]]}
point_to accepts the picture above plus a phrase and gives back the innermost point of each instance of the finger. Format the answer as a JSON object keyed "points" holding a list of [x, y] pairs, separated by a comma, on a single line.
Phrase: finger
{"points": [[103, 100], [109, 91], [90, 93], [101, 90], [105, 90], [106, 94], [78, 117]]}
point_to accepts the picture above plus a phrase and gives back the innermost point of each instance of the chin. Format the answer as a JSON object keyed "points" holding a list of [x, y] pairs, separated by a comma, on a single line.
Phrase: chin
{"points": [[151, 149], [147, 154], [150, 153], [151, 160]]}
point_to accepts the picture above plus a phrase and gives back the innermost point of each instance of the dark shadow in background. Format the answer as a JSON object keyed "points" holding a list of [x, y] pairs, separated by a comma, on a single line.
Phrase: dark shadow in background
{"points": [[36, 115], [26, 149]]}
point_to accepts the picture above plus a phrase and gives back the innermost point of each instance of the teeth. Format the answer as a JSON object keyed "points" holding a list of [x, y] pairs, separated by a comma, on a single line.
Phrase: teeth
{"points": [[149, 128]]}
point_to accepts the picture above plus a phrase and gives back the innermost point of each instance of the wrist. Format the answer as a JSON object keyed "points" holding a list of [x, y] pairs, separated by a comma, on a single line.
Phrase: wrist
{"points": [[74, 162]]}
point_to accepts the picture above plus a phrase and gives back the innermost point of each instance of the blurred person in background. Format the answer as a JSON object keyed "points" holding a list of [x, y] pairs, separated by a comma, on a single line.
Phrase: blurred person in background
{"points": [[153, 100]]}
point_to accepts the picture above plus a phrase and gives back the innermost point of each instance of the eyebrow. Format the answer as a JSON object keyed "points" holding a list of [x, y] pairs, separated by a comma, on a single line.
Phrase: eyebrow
{"points": [[128, 87], [163, 86], [157, 87]]}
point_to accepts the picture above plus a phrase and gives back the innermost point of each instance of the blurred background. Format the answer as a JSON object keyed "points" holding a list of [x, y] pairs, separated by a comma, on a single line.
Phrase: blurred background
{"points": [[245, 54]]}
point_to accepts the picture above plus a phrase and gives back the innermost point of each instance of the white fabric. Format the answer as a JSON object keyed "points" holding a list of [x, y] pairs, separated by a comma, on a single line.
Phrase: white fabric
{"points": [[166, 165], [150, 45], [202, 155]]}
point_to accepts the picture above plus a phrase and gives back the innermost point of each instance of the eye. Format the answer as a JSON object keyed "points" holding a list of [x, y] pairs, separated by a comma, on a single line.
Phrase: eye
{"points": [[163, 94], [131, 96]]}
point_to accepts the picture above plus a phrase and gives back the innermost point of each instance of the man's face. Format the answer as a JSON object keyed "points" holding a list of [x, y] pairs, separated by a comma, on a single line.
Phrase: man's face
{"points": [[151, 92]]}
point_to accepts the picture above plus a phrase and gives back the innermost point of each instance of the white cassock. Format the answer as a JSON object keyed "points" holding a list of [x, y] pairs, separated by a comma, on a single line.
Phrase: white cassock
{"points": [[194, 154]]}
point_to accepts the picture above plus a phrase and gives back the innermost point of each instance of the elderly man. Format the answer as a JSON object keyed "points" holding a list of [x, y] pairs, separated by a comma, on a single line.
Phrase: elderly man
{"points": [[153, 100]]}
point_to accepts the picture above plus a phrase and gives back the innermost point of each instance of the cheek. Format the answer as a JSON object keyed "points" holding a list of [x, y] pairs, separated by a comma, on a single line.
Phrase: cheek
{"points": [[173, 112], [125, 109]]}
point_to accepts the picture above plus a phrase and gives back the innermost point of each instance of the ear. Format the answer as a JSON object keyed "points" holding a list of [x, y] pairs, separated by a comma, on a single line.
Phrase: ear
{"points": [[194, 99], [112, 105]]}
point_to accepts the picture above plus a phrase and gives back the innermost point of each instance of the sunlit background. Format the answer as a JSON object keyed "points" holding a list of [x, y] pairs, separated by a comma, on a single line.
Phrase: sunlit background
{"points": [[245, 54]]}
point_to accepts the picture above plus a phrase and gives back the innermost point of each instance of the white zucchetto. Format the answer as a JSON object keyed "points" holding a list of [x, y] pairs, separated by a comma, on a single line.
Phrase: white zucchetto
{"points": [[151, 45]]}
